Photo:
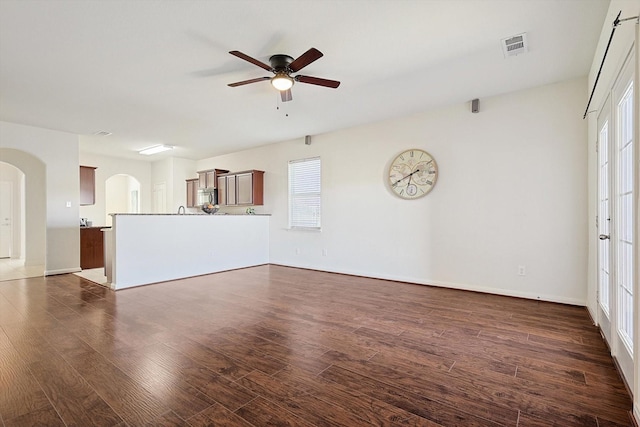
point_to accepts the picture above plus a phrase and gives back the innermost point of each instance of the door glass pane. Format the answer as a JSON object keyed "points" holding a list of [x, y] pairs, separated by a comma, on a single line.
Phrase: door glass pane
{"points": [[603, 217], [625, 227]]}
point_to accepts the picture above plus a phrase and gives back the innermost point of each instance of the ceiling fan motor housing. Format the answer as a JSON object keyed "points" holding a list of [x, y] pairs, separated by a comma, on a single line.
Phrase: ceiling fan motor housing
{"points": [[280, 63]]}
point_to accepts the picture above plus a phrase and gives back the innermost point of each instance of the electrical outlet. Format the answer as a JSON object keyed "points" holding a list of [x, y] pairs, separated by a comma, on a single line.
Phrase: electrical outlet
{"points": [[324, 252], [522, 270], [68, 204]]}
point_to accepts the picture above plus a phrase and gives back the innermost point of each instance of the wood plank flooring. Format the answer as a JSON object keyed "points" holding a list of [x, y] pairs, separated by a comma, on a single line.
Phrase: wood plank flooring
{"points": [[278, 346]]}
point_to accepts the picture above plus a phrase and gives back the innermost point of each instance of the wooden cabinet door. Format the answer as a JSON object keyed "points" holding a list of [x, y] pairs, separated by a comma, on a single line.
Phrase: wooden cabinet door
{"points": [[222, 190], [91, 248], [231, 190], [87, 185], [257, 195], [192, 193], [244, 184], [211, 179], [241, 188]]}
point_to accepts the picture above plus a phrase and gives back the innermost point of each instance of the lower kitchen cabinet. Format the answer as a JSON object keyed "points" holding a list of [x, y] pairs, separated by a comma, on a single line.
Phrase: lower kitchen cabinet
{"points": [[91, 247], [244, 188]]}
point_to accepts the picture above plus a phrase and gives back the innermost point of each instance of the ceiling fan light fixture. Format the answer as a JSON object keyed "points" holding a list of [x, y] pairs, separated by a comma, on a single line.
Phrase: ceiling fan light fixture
{"points": [[282, 81]]}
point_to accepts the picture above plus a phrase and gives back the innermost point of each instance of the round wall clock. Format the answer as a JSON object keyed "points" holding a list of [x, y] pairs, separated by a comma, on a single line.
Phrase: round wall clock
{"points": [[412, 174]]}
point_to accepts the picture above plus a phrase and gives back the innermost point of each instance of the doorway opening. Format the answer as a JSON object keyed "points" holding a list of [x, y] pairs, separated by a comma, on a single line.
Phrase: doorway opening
{"points": [[122, 195], [22, 231]]}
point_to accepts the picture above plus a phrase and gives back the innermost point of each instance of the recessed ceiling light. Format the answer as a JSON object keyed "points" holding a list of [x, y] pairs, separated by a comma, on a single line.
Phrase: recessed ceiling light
{"points": [[155, 149], [102, 133]]}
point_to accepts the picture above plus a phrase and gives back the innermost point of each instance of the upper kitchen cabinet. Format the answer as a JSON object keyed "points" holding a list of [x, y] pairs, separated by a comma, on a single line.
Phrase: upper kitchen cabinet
{"points": [[209, 178], [87, 185], [241, 188], [246, 183], [192, 193]]}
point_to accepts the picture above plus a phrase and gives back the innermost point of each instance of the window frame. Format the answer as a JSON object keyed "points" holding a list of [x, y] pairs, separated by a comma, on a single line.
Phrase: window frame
{"points": [[309, 194]]}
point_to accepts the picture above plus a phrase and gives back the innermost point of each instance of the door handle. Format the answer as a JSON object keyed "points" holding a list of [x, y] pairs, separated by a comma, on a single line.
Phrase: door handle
{"points": [[604, 237]]}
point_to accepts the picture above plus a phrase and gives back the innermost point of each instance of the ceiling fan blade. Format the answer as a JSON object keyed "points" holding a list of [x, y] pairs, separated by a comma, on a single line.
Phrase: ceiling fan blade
{"points": [[305, 59], [250, 59], [246, 82], [318, 81], [285, 95]]}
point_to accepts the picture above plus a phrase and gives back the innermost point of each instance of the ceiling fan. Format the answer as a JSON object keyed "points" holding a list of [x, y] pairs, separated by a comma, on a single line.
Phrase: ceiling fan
{"points": [[282, 66]]}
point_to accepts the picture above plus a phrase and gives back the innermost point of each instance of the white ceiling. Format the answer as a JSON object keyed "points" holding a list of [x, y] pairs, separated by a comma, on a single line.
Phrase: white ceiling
{"points": [[155, 72]]}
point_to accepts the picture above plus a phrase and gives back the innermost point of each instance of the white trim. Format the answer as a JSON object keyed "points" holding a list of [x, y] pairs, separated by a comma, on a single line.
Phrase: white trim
{"points": [[594, 316], [449, 285], [62, 271], [635, 387]]}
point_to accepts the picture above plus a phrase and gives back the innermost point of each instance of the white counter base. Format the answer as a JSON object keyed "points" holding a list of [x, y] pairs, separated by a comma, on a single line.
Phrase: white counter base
{"points": [[144, 249]]}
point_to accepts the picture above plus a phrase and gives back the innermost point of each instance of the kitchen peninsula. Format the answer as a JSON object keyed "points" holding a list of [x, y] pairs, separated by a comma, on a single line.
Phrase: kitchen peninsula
{"points": [[148, 248]]}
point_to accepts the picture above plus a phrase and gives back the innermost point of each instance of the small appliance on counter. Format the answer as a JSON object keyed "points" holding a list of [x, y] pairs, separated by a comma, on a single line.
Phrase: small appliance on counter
{"points": [[210, 207], [84, 222]]}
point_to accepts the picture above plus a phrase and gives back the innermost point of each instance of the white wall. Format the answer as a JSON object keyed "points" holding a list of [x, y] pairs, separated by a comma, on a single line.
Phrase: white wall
{"points": [[174, 172], [49, 160], [117, 194], [106, 168], [183, 169], [162, 174], [511, 191]]}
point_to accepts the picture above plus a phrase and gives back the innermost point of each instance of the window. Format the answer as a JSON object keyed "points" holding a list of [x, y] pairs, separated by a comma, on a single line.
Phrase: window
{"points": [[304, 194]]}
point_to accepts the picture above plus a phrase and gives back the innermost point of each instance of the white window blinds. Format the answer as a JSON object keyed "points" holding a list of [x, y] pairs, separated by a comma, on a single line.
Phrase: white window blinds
{"points": [[304, 194]]}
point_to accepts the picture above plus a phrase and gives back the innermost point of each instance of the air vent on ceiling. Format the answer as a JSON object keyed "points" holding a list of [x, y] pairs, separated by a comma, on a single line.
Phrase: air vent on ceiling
{"points": [[515, 45], [102, 133]]}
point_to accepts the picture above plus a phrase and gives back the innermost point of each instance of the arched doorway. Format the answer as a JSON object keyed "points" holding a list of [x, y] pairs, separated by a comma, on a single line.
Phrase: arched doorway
{"points": [[122, 195], [22, 174]]}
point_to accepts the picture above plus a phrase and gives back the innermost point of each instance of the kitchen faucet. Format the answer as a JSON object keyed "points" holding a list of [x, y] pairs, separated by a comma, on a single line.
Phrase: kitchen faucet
{"points": [[179, 209]]}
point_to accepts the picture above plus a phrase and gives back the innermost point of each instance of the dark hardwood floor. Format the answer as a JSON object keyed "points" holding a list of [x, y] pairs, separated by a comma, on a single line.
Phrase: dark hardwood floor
{"points": [[277, 346]]}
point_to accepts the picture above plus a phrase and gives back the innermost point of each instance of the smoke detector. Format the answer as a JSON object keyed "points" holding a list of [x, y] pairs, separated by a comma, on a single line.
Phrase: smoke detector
{"points": [[515, 45]]}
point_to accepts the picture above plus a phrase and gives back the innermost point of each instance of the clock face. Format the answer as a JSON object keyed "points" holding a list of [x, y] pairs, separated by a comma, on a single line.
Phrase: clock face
{"points": [[413, 174]]}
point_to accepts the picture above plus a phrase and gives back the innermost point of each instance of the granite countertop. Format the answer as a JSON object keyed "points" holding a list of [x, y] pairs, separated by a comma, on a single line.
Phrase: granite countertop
{"points": [[187, 214]]}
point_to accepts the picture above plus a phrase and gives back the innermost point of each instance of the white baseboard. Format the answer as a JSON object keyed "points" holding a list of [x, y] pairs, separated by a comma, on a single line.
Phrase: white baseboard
{"points": [[510, 293], [62, 271], [451, 285], [594, 317]]}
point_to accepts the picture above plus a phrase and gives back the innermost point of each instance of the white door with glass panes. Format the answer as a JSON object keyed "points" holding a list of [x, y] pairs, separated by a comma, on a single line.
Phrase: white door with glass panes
{"points": [[604, 222], [617, 252]]}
